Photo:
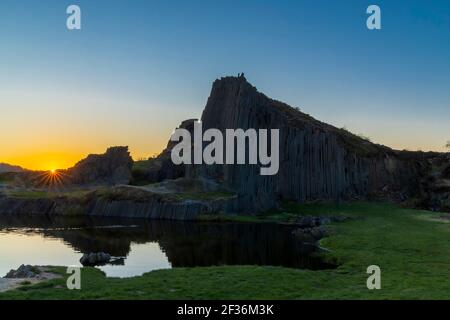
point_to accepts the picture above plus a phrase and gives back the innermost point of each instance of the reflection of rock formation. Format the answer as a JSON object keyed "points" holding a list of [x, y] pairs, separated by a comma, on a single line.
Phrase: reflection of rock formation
{"points": [[84, 234], [185, 244], [189, 245]]}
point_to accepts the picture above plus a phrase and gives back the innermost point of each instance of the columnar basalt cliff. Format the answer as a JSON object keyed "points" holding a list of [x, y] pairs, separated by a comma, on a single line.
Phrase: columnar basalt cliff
{"points": [[317, 161]]}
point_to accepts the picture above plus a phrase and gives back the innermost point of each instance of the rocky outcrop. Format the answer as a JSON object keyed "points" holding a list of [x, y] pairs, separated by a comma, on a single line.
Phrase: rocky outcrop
{"points": [[162, 167], [311, 229], [23, 272], [122, 201], [95, 259], [150, 205], [317, 160], [110, 168], [26, 275], [435, 186], [13, 206], [4, 167]]}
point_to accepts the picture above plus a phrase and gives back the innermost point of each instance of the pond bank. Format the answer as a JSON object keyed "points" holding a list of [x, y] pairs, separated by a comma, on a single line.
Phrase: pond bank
{"points": [[412, 252]]}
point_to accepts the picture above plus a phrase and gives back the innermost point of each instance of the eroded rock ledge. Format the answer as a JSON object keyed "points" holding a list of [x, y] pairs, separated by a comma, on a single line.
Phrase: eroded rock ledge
{"points": [[123, 201]]}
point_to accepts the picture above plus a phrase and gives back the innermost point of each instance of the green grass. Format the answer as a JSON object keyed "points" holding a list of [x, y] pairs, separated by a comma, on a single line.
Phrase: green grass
{"points": [[412, 250]]}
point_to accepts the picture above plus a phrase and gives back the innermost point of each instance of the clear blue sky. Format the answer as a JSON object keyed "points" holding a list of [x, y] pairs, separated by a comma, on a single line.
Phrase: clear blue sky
{"points": [[138, 68]]}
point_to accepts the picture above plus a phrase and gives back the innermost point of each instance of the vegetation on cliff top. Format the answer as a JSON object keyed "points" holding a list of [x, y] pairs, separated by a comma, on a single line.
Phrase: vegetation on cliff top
{"points": [[411, 247]]}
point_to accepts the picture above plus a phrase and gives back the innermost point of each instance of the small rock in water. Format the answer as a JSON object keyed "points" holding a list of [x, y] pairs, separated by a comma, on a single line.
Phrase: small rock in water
{"points": [[95, 259]]}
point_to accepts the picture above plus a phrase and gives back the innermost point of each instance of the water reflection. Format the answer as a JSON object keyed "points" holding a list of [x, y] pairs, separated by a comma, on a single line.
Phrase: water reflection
{"points": [[148, 245]]}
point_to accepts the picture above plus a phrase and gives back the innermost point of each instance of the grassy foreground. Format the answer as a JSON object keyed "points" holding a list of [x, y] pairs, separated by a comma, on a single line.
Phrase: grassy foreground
{"points": [[411, 247]]}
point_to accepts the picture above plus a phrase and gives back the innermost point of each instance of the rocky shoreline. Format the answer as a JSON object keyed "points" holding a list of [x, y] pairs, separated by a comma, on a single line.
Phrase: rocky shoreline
{"points": [[311, 229], [26, 275], [120, 201]]}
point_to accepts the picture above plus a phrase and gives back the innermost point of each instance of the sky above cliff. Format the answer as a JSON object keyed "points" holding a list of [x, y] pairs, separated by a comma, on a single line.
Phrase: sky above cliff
{"points": [[138, 68]]}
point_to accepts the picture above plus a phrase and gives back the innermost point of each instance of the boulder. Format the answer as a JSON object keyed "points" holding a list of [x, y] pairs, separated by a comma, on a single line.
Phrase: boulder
{"points": [[310, 235], [95, 259]]}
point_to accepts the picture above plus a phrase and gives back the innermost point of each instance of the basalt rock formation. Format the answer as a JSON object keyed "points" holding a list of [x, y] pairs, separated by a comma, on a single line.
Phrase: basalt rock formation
{"points": [[162, 167], [317, 161], [111, 168], [120, 201], [4, 167]]}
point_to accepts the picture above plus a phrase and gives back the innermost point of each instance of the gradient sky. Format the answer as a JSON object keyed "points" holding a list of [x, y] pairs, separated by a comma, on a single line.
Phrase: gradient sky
{"points": [[138, 68]]}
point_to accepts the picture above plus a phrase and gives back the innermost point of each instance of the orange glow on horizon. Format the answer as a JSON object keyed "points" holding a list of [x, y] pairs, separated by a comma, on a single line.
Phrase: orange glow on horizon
{"points": [[51, 162]]}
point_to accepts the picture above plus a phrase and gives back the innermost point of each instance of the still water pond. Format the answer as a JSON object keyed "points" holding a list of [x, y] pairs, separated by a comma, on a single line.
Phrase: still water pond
{"points": [[140, 246]]}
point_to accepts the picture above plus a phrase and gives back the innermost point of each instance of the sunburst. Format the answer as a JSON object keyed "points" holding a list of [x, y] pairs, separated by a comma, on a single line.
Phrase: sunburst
{"points": [[51, 179]]}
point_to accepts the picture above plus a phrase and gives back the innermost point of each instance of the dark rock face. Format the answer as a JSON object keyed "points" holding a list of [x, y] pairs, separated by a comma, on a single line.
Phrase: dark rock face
{"points": [[317, 161], [137, 203], [95, 259], [111, 168], [4, 167], [23, 272], [446, 173], [120, 201], [13, 206]]}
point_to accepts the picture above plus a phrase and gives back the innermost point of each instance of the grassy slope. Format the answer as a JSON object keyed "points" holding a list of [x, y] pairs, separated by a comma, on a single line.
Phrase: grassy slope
{"points": [[412, 251]]}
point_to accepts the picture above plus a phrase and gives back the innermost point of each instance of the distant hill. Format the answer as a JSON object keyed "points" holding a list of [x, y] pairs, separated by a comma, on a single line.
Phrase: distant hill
{"points": [[4, 167]]}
